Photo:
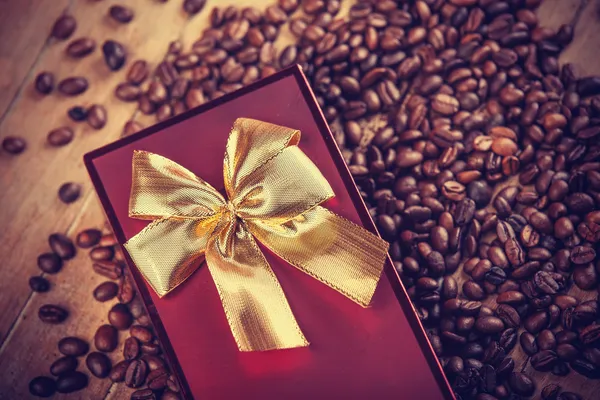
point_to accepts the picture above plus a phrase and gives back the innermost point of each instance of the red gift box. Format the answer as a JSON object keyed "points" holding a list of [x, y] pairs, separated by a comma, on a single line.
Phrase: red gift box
{"points": [[355, 353]]}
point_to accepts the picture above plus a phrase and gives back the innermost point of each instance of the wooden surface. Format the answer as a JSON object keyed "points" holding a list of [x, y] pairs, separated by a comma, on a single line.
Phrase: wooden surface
{"points": [[29, 206]]}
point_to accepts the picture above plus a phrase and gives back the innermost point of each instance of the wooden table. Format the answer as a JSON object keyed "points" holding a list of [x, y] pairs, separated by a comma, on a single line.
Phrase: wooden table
{"points": [[29, 207]]}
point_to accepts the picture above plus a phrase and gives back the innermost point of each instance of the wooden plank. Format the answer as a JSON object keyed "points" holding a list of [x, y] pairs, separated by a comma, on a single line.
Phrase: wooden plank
{"points": [[31, 346], [20, 47], [29, 182]]}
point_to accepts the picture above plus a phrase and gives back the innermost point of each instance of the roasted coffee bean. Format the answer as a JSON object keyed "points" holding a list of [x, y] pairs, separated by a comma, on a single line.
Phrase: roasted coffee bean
{"points": [[106, 291], [108, 269], [117, 374], [550, 392], [60, 136], [131, 348], [73, 346], [126, 291], [119, 316], [521, 384], [69, 192], [115, 54], [544, 360], [63, 365], [489, 325], [582, 255], [193, 6], [144, 394], [73, 86], [569, 396], [528, 343], [39, 284], [88, 238], [52, 314], [14, 145], [157, 379], [64, 27], [153, 362], [546, 340], [98, 364], [536, 322], [81, 47], [136, 373], [121, 13], [140, 333], [96, 117], [102, 253], [44, 82], [138, 72], [71, 382], [42, 386], [508, 315], [106, 338], [473, 291], [50, 263], [77, 113], [150, 348], [62, 246]]}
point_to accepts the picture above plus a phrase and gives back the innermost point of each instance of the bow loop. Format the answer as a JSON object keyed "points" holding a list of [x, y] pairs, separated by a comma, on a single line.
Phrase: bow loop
{"points": [[274, 191]]}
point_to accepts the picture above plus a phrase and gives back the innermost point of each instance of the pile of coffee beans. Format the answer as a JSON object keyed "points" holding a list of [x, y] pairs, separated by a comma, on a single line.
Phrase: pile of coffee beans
{"points": [[477, 153]]}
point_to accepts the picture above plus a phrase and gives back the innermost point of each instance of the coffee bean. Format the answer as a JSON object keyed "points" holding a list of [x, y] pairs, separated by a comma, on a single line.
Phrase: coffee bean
{"points": [[121, 13], [114, 54], [582, 255], [14, 145], [144, 394], [136, 373], [81, 47], [102, 253], [96, 117], [98, 364], [157, 379], [63, 27], [71, 382], [39, 284], [106, 338], [153, 362], [63, 365], [69, 192], [508, 315], [151, 349], [514, 252], [44, 82], [49, 263], [489, 325], [42, 386], [132, 127], [52, 314], [88, 238], [106, 291], [119, 316], [117, 374], [62, 246], [60, 136], [77, 113], [569, 396], [536, 322], [126, 291], [193, 6], [473, 291], [108, 269], [131, 348], [140, 333], [521, 384], [73, 346], [544, 360]]}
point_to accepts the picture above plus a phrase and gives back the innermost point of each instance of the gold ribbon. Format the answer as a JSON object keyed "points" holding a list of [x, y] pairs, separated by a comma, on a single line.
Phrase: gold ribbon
{"points": [[274, 192]]}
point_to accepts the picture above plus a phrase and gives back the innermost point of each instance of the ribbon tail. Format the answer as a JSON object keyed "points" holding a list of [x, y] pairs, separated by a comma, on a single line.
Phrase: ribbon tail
{"points": [[337, 252], [258, 313], [168, 251]]}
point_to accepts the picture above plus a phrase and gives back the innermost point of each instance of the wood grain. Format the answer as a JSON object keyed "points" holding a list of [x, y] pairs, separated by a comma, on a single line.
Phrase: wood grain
{"points": [[30, 209]]}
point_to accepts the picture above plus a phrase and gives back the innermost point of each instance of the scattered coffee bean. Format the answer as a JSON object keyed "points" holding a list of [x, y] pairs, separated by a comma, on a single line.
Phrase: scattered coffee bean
{"points": [[73, 346], [106, 291], [121, 13], [102, 253], [80, 48], [63, 365], [71, 382], [114, 54], [88, 238], [62, 246], [108, 269], [77, 113], [63, 27], [140, 333], [50, 263], [44, 82], [193, 6], [39, 284], [52, 314], [14, 144], [69, 192], [117, 374], [136, 373], [106, 338], [96, 116], [98, 364], [42, 386], [60, 136], [73, 86], [119, 316]]}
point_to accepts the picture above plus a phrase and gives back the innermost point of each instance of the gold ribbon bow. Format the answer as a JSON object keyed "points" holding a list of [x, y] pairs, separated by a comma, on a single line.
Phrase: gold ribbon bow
{"points": [[274, 192]]}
